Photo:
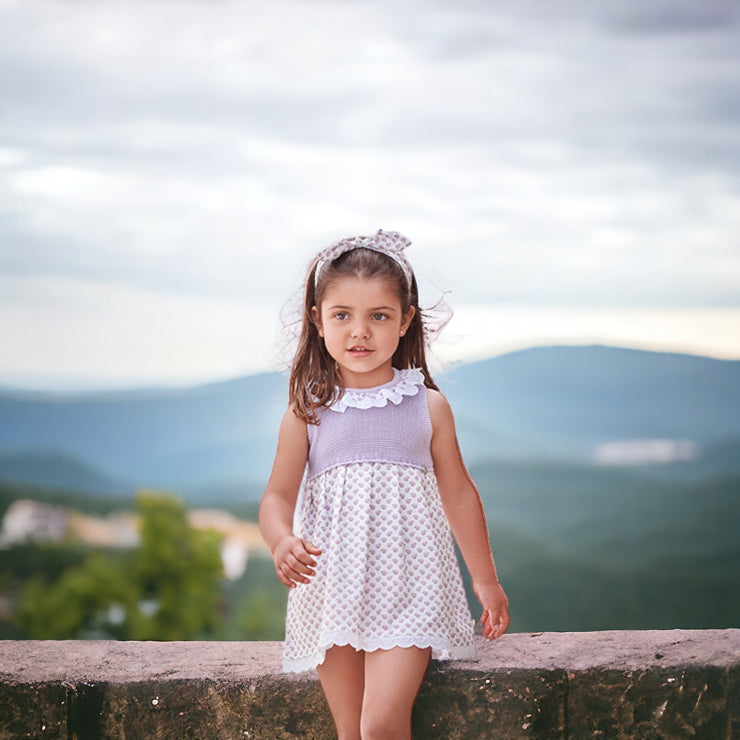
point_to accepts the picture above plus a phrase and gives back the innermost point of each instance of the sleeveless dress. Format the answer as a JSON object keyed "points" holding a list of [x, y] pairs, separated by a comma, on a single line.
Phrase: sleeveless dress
{"points": [[387, 575]]}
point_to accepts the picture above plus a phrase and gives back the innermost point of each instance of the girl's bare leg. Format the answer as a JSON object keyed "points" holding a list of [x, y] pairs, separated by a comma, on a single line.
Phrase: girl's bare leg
{"points": [[392, 681], [343, 681]]}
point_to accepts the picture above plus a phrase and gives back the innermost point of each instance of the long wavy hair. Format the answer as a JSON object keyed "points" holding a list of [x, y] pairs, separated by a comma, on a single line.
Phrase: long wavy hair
{"points": [[315, 380]]}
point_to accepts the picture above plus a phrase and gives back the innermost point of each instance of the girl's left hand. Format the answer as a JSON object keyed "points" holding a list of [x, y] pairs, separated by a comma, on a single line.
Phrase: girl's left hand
{"points": [[495, 618]]}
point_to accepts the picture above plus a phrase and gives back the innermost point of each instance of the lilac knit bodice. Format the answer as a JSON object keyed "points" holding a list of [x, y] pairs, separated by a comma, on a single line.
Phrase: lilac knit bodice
{"points": [[388, 423]]}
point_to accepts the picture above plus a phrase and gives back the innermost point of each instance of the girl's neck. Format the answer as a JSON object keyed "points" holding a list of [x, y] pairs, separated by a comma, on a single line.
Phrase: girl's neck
{"points": [[364, 381]]}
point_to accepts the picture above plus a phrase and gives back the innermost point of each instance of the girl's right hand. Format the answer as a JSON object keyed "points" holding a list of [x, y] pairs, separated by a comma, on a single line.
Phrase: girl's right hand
{"points": [[295, 560]]}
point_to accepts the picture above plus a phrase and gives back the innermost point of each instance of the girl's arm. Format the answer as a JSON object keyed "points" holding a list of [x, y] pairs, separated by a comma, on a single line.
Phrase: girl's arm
{"points": [[294, 558], [464, 510]]}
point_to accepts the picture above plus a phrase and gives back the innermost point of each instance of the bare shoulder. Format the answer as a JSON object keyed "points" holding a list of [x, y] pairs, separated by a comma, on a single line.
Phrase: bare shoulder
{"points": [[440, 411], [292, 428], [445, 448], [292, 421], [291, 455]]}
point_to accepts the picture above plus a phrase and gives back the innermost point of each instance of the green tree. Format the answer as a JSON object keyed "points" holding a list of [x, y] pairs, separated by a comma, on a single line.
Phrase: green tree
{"points": [[262, 616], [79, 600], [168, 588], [178, 570]]}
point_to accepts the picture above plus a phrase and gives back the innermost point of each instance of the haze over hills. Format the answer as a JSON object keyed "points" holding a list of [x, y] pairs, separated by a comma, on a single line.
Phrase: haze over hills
{"points": [[541, 404]]}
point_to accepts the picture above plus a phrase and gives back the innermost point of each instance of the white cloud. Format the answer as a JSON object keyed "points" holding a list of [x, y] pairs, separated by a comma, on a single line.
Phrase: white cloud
{"points": [[578, 153]]}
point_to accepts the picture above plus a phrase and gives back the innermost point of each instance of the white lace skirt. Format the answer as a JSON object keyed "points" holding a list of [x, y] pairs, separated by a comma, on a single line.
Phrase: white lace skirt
{"points": [[387, 576]]}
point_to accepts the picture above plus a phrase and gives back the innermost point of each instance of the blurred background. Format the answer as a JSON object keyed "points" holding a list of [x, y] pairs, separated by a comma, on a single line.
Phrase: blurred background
{"points": [[569, 177]]}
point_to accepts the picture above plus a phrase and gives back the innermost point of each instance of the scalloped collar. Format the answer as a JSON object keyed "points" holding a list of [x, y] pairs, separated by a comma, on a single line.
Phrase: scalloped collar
{"points": [[405, 383]]}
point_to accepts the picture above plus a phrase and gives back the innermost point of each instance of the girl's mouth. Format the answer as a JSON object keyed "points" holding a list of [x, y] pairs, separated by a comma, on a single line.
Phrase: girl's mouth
{"points": [[359, 351]]}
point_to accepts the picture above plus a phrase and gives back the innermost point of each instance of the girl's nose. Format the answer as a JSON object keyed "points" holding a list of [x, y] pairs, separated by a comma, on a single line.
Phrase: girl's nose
{"points": [[360, 329]]}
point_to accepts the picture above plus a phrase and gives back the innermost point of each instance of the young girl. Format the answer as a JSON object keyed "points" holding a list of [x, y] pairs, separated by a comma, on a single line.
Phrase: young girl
{"points": [[367, 552]]}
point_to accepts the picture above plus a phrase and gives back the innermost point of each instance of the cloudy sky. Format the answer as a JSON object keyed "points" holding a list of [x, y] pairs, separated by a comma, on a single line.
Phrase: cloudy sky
{"points": [[569, 171]]}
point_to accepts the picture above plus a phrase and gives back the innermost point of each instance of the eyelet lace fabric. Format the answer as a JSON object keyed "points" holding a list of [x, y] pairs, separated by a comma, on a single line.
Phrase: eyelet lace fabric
{"points": [[387, 575], [405, 383]]}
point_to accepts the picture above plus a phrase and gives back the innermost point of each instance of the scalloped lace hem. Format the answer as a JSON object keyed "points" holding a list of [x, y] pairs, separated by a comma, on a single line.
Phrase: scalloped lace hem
{"points": [[405, 383], [441, 649]]}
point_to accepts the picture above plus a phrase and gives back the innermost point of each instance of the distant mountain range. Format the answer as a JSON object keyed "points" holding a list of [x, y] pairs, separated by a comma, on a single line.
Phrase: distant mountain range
{"points": [[218, 434], [583, 540], [558, 404], [563, 401]]}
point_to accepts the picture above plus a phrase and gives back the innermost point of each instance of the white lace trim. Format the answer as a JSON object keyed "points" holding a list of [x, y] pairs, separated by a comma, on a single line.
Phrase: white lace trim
{"points": [[405, 383], [441, 649]]}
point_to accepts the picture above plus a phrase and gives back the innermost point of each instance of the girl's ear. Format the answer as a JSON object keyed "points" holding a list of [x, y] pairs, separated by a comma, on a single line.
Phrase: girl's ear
{"points": [[407, 317], [316, 318]]}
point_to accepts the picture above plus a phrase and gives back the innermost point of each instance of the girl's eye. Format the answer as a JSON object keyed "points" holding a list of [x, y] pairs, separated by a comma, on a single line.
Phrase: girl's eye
{"points": [[341, 315], [379, 317]]}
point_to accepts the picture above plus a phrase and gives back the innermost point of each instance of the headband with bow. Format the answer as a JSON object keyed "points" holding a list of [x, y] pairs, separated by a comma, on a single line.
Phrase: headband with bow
{"points": [[390, 243]]}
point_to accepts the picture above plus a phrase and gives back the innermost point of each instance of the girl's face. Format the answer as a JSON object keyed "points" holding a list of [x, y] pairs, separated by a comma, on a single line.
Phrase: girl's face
{"points": [[361, 322]]}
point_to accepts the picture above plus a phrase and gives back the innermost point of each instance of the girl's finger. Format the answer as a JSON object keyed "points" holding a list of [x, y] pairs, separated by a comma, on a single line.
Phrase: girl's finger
{"points": [[299, 576], [301, 569], [290, 575], [284, 579], [485, 623], [301, 563], [500, 625], [311, 548]]}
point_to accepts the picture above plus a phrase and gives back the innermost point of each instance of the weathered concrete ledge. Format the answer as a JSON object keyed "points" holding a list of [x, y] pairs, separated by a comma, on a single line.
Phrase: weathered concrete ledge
{"points": [[650, 684]]}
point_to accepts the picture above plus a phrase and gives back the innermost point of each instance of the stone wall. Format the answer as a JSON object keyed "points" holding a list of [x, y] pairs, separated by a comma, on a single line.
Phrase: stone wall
{"points": [[650, 684]]}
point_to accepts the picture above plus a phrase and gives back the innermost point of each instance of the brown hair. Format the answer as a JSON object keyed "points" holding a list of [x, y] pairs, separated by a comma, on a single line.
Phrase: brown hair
{"points": [[314, 378]]}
